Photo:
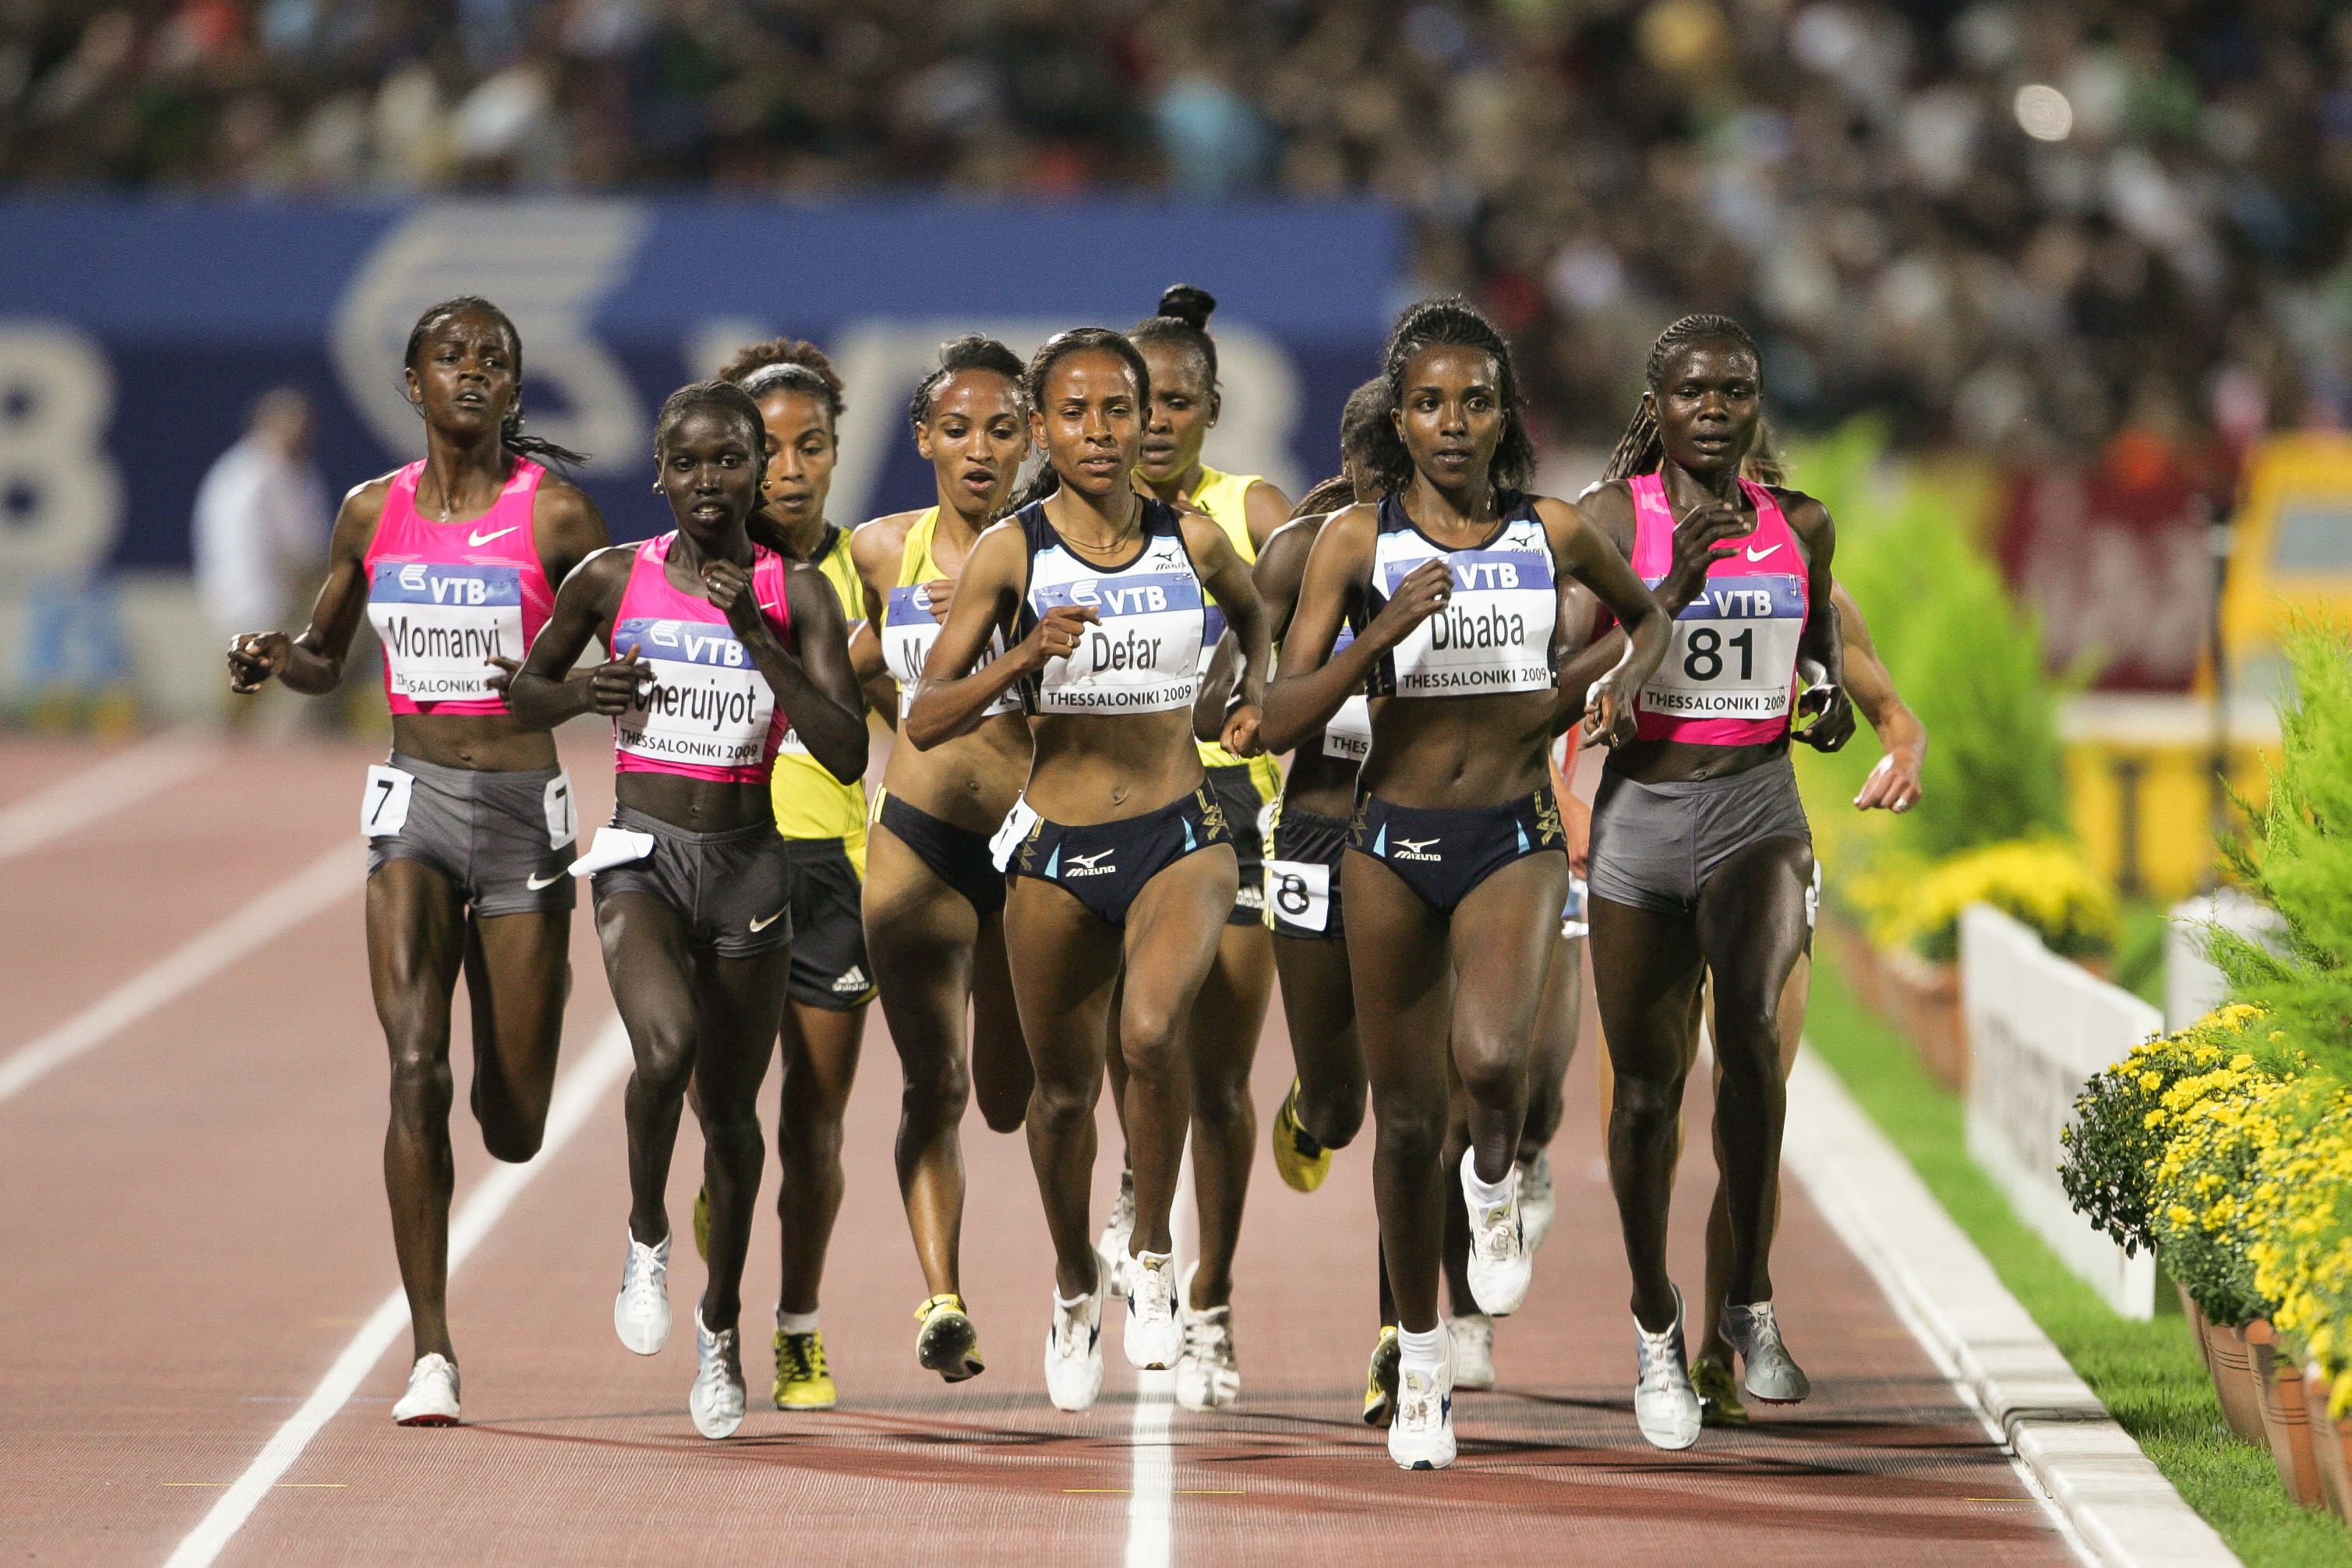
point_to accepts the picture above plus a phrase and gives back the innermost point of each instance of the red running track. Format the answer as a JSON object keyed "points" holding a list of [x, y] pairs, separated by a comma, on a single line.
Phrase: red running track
{"points": [[197, 1229]]}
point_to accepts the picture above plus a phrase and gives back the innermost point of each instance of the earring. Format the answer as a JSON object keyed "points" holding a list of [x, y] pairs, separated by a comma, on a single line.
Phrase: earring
{"points": [[656, 487]]}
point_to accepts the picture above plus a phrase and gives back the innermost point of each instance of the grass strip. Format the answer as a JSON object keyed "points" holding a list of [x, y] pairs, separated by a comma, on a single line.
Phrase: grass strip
{"points": [[2148, 1374]]}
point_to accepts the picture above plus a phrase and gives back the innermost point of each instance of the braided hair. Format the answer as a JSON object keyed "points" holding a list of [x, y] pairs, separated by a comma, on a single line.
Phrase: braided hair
{"points": [[1051, 352], [732, 400], [1184, 318], [1641, 449], [971, 351], [1450, 322], [787, 364], [511, 434]]}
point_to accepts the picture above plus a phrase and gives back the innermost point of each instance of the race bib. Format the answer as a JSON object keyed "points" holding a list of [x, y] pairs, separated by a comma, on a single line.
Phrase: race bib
{"points": [[1734, 654], [1299, 893], [1142, 657], [1348, 735], [441, 624], [707, 705], [1495, 635], [909, 631], [384, 803], [1010, 832], [562, 812]]}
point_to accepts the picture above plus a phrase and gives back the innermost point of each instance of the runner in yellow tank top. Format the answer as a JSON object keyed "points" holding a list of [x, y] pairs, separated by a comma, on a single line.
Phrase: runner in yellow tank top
{"points": [[822, 821], [934, 898], [1230, 1009]]}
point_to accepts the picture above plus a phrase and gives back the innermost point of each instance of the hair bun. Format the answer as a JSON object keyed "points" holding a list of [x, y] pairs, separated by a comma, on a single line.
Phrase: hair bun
{"points": [[1189, 305]]}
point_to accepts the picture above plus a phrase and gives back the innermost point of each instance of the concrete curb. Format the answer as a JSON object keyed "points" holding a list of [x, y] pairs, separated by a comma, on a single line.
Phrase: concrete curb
{"points": [[2125, 1514]]}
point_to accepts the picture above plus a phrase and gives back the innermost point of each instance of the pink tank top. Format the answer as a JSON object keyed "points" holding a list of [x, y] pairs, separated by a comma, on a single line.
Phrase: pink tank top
{"points": [[445, 597], [1729, 678], [708, 712]]}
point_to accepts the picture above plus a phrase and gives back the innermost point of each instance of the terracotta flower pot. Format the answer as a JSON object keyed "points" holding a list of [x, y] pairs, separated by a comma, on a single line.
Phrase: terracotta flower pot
{"points": [[2328, 1443], [2286, 1420], [2233, 1381]]}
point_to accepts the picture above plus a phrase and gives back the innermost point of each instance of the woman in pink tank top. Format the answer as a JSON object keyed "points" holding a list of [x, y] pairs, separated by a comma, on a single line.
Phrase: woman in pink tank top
{"points": [[1701, 858], [468, 822], [718, 644]]}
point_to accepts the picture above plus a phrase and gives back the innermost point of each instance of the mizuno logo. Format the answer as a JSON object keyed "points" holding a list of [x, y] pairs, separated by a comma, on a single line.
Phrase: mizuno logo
{"points": [[536, 883], [1756, 554], [1091, 865], [1414, 849], [479, 540], [1416, 845], [772, 919]]}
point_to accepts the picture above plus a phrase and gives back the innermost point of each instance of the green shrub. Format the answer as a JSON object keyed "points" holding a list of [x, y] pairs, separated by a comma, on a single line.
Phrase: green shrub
{"points": [[2297, 859]]}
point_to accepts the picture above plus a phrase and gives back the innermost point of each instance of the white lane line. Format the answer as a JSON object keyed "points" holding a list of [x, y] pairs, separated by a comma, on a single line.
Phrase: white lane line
{"points": [[102, 789], [1151, 1501], [575, 1097], [332, 876]]}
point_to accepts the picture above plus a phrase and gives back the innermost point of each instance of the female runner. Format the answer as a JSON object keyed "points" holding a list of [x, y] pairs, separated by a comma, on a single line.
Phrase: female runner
{"points": [[1230, 1011], [718, 645], [1118, 852], [469, 821], [1893, 785], [934, 898], [1456, 872], [1702, 860], [822, 820]]}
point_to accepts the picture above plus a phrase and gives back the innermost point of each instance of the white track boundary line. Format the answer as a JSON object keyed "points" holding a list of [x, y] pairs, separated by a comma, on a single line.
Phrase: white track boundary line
{"points": [[1151, 1499], [124, 779], [575, 1097], [2109, 1501], [329, 878]]}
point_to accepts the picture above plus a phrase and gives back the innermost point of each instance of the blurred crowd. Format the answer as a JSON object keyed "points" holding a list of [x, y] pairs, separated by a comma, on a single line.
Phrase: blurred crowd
{"points": [[2024, 228]]}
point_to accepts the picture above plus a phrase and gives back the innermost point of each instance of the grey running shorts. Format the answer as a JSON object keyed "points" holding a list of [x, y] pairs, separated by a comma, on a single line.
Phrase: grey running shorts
{"points": [[732, 890], [1655, 846], [504, 840]]}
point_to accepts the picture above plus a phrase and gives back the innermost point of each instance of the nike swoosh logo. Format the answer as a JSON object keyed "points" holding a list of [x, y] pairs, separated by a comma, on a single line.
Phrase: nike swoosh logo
{"points": [[479, 540], [772, 919], [536, 883], [1754, 554]]}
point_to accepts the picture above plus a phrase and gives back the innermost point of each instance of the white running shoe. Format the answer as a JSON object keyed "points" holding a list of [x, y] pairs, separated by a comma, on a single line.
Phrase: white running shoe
{"points": [[1473, 1341], [1422, 1436], [1154, 1337], [1074, 1361], [1207, 1376], [1537, 1202], [1772, 1374], [1118, 1233], [1502, 1265], [641, 1311], [1665, 1405], [431, 1396], [716, 1400]]}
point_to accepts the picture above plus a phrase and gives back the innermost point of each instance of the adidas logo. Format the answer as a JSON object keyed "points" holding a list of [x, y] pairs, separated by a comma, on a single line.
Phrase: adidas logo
{"points": [[853, 982]]}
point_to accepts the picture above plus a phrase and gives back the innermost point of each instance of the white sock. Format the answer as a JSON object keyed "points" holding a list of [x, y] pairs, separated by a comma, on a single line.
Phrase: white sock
{"points": [[1424, 1352], [1484, 1194], [796, 1322]]}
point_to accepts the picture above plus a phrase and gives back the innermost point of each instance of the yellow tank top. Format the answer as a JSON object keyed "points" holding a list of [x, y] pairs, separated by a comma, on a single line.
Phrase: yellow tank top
{"points": [[1224, 497], [810, 803], [917, 565]]}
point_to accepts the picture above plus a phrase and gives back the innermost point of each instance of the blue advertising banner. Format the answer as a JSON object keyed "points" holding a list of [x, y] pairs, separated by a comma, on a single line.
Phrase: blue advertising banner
{"points": [[135, 336]]}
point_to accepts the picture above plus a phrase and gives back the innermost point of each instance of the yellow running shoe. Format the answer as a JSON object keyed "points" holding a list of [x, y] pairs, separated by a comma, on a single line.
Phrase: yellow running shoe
{"points": [[801, 1381], [1718, 1395], [702, 1223], [947, 1342], [1302, 1161], [1380, 1380]]}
